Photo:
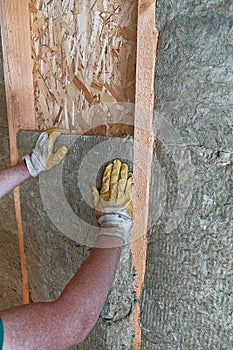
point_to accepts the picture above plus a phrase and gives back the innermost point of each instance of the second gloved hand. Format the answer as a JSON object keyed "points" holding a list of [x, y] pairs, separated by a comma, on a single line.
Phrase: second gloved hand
{"points": [[113, 204], [42, 157]]}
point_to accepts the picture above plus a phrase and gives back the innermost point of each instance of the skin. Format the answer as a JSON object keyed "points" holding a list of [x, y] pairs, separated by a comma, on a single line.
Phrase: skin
{"points": [[68, 320], [12, 177]]}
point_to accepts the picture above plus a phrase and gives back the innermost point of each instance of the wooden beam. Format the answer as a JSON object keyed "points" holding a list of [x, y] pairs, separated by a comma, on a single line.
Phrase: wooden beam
{"points": [[18, 67], [17, 63], [143, 143], [23, 263]]}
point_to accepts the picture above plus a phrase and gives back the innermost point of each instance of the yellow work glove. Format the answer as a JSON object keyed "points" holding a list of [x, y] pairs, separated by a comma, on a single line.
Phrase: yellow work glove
{"points": [[116, 187], [113, 204], [42, 157]]}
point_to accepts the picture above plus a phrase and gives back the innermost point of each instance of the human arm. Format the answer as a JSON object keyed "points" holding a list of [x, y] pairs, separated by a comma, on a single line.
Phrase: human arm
{"points": [[12, 177], [42, 158], [68, 320]]}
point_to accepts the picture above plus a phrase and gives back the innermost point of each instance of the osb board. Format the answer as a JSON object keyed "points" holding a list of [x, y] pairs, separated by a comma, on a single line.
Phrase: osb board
{"points": [[84, 55]]}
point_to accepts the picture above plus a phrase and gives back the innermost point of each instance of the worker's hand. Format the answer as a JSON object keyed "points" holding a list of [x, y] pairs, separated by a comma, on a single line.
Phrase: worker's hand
{"points": [[113, 204], [42, 157]]}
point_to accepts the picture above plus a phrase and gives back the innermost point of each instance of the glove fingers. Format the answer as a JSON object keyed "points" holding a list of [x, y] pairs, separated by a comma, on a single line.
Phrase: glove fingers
{"points": [[42, 138], [53, 134], [129, 208], [123, 180], [56, 157], [128, 194], [114, 180], [128, 189], [41, 141], [61, 131], [96, 201], [51, 140], [41, 148], [95, 195], [104, 192]]}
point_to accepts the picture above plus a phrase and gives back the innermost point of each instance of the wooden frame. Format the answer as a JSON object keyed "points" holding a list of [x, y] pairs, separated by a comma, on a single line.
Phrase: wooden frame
{"points": [[18, 68], [143, 141], [19, 95]]}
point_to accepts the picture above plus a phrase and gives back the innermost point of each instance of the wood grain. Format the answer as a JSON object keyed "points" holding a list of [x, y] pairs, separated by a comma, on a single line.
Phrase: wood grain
{"points": [[19, 95], [84, 56], [17, 67], [143, 142]]}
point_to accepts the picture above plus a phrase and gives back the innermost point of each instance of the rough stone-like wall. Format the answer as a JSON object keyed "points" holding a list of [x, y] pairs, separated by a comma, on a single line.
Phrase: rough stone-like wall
{"points": [[188, 291], [54, 252], [10, 277], [187, 295]]}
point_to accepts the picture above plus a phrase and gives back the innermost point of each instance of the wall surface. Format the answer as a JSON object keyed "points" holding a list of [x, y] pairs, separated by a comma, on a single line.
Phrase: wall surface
{"points": [[84, 57], [187, 295], [10, 277], [59, 227]]}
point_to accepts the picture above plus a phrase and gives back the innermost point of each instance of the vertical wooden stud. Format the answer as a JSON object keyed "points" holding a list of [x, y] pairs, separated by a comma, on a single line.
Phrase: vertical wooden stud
{"points": [[143, 142], [19, 94]]}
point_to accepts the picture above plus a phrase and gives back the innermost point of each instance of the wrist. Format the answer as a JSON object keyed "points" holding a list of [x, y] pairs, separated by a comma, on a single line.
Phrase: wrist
{"points": [[33, 164], [24, 167], [23, 170], [115, 222], [106, 241]]}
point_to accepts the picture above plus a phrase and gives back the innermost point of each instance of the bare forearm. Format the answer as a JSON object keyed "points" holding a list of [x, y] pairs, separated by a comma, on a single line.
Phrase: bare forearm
{"points": [[12, 177], [67, 321], [60, 324], [91, 284]]}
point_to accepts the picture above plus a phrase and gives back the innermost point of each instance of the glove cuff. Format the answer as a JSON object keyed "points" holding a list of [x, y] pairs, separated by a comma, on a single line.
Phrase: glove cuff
{"points": [[115, 221], [33, 164]]}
